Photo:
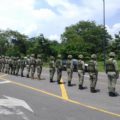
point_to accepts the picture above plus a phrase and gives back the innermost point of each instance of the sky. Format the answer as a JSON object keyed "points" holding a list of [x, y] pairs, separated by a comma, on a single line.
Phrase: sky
{"points": [[50, 17]]}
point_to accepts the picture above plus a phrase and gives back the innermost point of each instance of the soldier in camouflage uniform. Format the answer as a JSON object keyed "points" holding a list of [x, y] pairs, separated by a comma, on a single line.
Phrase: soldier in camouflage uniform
{"points": [[32, 65], [3, 63], [59, 68], [18, 66], [22, 65], [81, 68], [112, 73], [0, 63], [28, 66], [10, 65], [69, 66], [52, 68], [7, 64], [39, 64], [14, 64], [93, 72]]}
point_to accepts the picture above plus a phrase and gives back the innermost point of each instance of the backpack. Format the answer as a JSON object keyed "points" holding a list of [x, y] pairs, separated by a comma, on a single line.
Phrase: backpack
{"points": [[91, 66], [110, 67]]}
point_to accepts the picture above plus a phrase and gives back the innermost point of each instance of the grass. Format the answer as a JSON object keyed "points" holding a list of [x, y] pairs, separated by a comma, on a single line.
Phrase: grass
{"points": [[101, 66]]}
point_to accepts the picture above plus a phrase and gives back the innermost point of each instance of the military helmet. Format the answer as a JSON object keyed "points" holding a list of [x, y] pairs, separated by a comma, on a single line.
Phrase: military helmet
{"points": [[111, 54], [93, 56], [3, 56], [18, 57], [52, 57], [80, 56], [70, 56], [39, 56], [32, 55], [7, 57], [59, 56]]}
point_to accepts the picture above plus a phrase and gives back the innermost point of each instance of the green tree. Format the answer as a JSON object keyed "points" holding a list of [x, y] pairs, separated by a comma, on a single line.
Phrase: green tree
{"points": [[84, 37]]}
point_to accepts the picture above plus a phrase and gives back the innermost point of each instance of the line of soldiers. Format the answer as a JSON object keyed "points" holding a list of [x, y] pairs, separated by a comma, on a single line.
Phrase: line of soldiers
{"points": [[14, 65], [111, 71]]}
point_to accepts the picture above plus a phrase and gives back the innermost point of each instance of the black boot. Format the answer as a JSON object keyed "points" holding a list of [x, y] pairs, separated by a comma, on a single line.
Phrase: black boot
{"points": [[58, 81], [111, 94], [80, 87], [69, 83], [51, 80], [115, 94], [27, 76], [92, 89]]}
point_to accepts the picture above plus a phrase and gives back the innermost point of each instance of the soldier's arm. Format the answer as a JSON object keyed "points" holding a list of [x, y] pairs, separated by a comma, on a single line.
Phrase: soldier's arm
{"points": [[116, 68]]}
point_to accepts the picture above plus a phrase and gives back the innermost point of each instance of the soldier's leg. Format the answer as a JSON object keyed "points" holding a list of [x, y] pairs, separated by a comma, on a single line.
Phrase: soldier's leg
{"points": [[27, 75], [21, 72], [39, 70], [39, 73], [109, 83], [14, 70], [69, 81], [81, 79], [32, 72], [114, 81], [59, 75], [51, 74], [94, 80], [17, 70], [69, 77], [91, 82]]}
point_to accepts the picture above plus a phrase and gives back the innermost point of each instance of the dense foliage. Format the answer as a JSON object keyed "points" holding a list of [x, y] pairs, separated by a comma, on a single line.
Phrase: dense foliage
{"points": [[84, 37]]}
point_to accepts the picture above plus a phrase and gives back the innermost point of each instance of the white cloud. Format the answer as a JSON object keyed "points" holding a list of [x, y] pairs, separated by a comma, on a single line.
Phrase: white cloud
{"points": [[44, 14], [22, 16], [54, 37], [113, 29]]}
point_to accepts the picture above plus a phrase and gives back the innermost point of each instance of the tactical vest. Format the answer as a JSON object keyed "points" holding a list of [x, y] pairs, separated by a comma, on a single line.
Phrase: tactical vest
{"points": [[32, 61], [69, 64], [80, 65], [59, 63], [110, 67], [52, 64], [91, 66], [39, 62]]}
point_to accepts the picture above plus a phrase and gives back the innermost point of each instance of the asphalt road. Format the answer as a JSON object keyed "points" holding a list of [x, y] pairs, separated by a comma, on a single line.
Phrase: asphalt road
{"points": [[50, 101]]}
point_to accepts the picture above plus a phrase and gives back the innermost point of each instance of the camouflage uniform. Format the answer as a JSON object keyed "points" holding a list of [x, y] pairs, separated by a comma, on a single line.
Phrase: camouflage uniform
{"points": [[59, 68], [28, 66], [3, 63], [81, 68], [52, 68], [18, 66], [32, 65], [39, 64], [69, 66], [22, 65], [112, 73], [14, 64], [7, 65], [93, 73]]}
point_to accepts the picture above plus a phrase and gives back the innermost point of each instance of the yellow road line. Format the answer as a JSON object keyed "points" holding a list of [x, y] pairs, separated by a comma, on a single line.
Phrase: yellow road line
{"points": [[32, 88], [63, 91], [68, 100], [94, 108], [3, 75]]}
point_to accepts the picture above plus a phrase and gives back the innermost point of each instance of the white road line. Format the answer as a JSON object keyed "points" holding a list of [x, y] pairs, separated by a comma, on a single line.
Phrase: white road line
{"points": [[3, 82]]}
